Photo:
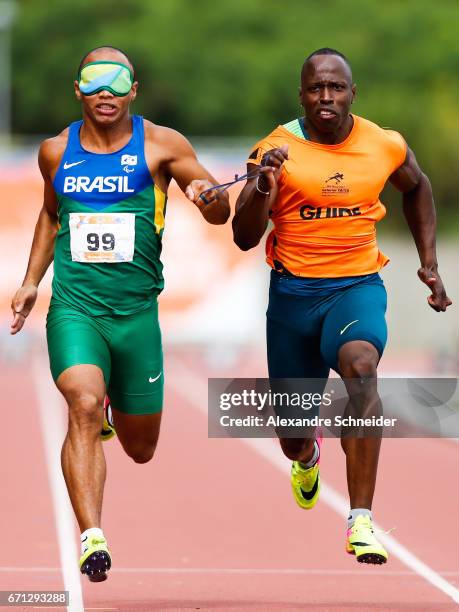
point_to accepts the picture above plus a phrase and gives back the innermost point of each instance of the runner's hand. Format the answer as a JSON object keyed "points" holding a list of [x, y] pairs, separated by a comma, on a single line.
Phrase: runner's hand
{"points": [[196, 187], [270, 167], [23, 302], [439, 301]]}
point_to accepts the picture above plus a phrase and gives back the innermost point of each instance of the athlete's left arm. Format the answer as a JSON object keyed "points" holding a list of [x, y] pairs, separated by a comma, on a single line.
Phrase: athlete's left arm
{"points": [[419, 211], [180, 163]]}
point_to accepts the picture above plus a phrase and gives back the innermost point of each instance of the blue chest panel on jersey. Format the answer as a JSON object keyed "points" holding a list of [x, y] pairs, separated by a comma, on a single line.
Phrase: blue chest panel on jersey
{"points": [[101, 179]]}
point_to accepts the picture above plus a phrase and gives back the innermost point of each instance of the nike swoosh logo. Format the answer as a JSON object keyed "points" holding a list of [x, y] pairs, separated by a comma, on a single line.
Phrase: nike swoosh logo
{"points": [[308, 495], [347, 326], [152, 380], [67, 165]]}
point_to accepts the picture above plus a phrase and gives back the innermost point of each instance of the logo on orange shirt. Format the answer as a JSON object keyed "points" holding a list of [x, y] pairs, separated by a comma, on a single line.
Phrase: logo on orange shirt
{"points": [[333, 185], [337, 177]]}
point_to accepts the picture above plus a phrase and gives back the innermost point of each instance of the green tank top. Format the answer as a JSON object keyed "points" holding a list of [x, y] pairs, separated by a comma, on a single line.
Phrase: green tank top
{"points": [[111, 221]]}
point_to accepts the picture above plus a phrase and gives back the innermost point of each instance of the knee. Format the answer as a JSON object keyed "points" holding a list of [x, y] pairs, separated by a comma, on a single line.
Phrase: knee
{"points": [[142, 454], [85, 410], [359, 366]]}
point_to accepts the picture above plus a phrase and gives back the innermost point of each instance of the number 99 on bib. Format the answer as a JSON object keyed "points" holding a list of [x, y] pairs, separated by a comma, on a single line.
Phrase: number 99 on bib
{"points": [[102, 238]]}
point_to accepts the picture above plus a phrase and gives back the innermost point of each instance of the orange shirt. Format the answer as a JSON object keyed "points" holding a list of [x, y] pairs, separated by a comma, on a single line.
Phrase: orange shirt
{"points": [[328, 203]]}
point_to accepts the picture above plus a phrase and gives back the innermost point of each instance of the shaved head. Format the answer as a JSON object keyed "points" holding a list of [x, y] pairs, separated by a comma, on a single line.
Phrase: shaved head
{"points": [[324, 52], [112, 51]]}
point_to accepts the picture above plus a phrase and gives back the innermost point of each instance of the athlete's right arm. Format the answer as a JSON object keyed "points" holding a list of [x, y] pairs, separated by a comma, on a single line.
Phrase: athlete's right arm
{"points": [[42, 251], [256, 199]]}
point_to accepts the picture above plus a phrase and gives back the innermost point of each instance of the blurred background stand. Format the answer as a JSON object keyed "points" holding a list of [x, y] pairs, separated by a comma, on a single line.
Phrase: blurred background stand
{"points": [[7, 15]]}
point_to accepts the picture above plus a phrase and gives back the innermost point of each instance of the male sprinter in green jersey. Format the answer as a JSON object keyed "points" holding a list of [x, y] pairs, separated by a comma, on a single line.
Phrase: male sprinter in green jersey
{"points": [[105, 184]]}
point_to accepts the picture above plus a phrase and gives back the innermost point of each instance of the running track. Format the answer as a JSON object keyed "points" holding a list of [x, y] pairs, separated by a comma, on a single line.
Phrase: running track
{"points": [[210, 524]]}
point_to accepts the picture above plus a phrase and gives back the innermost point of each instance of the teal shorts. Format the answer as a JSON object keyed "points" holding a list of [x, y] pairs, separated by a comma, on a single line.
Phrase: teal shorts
{"points": [[306, 332], [127, 348]]}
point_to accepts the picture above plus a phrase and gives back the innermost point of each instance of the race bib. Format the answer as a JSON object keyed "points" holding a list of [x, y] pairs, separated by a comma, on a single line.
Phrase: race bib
{"points": [[102, 237]]}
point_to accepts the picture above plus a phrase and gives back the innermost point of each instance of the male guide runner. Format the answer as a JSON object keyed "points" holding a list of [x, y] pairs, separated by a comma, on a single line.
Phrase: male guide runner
{"points": [[102, 220], [320, 180]]}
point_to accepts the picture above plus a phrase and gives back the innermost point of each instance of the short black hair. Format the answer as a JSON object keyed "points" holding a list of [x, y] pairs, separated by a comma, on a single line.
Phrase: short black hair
{"points": [[326, 51], [83, 59]]}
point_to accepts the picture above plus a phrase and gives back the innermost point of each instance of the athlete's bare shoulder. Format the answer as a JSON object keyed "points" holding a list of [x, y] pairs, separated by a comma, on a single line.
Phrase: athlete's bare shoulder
{"points": [[51, 152], [171, 143]]}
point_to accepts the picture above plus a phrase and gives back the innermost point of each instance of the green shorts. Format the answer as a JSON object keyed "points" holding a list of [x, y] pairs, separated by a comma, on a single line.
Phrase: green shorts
{"points": [[127, 348]]}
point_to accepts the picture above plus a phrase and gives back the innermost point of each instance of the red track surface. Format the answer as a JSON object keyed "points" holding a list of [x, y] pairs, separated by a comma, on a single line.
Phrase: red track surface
{"points": [[210, 525]]}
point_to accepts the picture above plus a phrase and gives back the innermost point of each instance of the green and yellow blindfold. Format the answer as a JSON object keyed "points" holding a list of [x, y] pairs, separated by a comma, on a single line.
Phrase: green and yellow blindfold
{"points": [[111, 76]]}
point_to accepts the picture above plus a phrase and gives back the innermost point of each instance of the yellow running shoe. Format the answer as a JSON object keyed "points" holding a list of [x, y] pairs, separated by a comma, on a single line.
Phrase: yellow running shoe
{"points": [[362, 543], [108, 429], [95, 560], [306, 482]]}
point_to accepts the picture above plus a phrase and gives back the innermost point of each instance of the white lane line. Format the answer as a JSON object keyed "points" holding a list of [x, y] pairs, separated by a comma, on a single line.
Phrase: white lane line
{"points": [[52, 420], [244, 571], [247, 571], [265, 571], [194, 390]]}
